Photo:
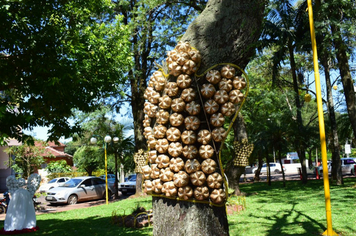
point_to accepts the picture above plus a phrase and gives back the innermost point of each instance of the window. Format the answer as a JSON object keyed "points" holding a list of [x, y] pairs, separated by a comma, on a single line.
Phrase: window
{"points": [[98, 181], [348, 162], [87, 182]]}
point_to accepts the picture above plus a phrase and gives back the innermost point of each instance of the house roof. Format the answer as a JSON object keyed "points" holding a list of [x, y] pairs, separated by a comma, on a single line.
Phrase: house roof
{"points": [[53, 149], [56, 153]]}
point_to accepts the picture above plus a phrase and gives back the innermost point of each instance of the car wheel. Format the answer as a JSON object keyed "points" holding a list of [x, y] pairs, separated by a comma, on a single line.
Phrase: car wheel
{"points": [[109, 195], [2, 209], [73, 199], [277, 171]]}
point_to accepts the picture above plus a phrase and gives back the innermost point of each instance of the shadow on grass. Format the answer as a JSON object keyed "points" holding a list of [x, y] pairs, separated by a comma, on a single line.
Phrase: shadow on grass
{"points": [[91, 221], [90, 226], [309, 225], [296, 209]]}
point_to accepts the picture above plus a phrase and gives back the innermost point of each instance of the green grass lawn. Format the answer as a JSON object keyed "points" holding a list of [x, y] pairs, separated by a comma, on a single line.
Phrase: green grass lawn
{"points": [[296, 209], [271, 210]]}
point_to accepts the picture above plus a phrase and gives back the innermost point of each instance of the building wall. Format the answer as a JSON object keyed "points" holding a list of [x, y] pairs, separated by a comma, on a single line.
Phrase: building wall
{"points": [[5, 171]]}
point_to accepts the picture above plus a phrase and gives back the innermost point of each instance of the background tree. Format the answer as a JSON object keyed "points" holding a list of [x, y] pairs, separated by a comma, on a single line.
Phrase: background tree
{"points": [[341, 17], [285, 32], [335, 40], [60, 166], [25, 159], [55, 56], [89, 158]]}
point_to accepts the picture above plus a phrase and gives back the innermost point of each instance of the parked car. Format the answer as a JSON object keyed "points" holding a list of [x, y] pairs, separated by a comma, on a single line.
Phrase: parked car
{"points": [[129, 177], [128, 186], [52, 184], [78, 189], [111, 180], [347, 166], [274, 168]]}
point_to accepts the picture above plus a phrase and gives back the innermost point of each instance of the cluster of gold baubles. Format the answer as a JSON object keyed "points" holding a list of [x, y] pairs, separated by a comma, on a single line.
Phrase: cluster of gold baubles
{"points": [[242, 150], [140, 159], [184, 123]]}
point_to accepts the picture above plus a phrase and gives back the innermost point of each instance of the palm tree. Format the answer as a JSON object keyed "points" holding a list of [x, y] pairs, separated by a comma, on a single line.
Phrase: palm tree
{"points": [[121, 146], [280, 32]]}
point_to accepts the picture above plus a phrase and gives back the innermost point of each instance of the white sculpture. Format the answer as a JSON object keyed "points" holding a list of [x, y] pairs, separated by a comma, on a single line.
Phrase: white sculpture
{"points": [[21, 211]]}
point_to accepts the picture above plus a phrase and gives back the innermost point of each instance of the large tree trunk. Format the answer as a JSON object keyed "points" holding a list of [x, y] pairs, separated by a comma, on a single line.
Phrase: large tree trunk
{"points": [[298, 142], [234, 172], [336, 161], [137, 89], [224, 32], [257, 178], [186, 218]]}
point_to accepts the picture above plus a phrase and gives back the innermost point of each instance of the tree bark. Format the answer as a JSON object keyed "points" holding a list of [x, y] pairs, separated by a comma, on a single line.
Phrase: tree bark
{"points": [[300, 146], [336, 171], [186, 218], [280, 162], [137, 102], [234, 172], [224, 32], [257, 178]]}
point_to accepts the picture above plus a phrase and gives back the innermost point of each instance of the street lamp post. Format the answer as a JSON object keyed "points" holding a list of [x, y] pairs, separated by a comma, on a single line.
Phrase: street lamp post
{"points": [[107, 140]]}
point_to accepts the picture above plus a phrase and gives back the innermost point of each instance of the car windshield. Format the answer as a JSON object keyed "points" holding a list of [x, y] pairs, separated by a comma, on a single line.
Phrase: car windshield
{"points": [[52, 181], [72, 183], [132, 178]]}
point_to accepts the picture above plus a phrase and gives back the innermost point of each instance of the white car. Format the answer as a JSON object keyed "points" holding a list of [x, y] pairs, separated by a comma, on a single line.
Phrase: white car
{"points": [[274, 168], [53, 183], [129, 186]]}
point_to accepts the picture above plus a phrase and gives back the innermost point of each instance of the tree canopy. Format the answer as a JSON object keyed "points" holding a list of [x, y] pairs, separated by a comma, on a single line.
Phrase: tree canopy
{"points": [[56, 56]]}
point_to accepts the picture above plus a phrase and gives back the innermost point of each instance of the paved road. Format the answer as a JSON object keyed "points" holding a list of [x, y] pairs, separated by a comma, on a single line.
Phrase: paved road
{"points": [[45, 207]]}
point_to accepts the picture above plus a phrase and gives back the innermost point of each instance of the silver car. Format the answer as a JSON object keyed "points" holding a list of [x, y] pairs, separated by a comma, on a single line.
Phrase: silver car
{"points": [[347, 166], [78, 189]]}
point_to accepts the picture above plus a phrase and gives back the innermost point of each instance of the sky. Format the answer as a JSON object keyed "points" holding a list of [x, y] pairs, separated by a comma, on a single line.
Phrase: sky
{"points": [[40, 132]]}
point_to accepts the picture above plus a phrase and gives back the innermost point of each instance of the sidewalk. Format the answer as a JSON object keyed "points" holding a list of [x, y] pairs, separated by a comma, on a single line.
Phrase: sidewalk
{"points": [[46, 208]]}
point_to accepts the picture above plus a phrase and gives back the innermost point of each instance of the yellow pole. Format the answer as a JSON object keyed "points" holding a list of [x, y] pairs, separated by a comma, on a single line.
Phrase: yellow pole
{"points": [[329, 230], [106, 178]]}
